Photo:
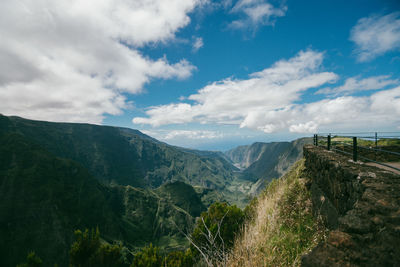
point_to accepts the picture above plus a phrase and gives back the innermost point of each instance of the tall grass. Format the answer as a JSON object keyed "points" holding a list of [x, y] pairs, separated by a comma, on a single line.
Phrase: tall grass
{"points": [[281, 227]]}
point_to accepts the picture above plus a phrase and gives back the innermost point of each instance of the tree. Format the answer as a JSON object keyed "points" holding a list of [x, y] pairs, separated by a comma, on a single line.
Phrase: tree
{"points": [[179, 259], [215, 231], [32, 260], [88, 251], [149, 257]]}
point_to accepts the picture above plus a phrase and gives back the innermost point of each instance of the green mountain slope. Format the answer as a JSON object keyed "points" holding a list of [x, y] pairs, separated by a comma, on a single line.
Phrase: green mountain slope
{"points": [[127, 157], [44, 198], [260, 162]]}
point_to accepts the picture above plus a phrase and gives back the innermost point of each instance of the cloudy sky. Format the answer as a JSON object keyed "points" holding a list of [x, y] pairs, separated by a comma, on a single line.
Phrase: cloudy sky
{"points": [[201, 73]]}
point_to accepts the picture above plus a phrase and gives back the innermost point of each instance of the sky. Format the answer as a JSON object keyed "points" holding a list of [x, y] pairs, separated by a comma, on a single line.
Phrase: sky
{"points": [[204, 74]]}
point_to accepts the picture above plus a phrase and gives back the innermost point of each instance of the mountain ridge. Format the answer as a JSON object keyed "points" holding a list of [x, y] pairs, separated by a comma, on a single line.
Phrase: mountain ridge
{"points": [[124, 155], [261, 162], [134, 187]]}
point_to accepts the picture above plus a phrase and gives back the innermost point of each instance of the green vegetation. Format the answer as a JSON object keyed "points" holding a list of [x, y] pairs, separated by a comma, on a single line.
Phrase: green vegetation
{"points": [[265, 161], [125, 156], [89, 251], [180, 259], [281, 226], [44, 198], [32, 260], [149, 257], [365, 146], [59, 177], [215, 231], [367, 142]]}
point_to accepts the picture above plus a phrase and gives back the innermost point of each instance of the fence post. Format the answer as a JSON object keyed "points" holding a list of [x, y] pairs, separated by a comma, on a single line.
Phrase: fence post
{"points": [[355, 149], [316, 140], [376, 145], [329, 141]]}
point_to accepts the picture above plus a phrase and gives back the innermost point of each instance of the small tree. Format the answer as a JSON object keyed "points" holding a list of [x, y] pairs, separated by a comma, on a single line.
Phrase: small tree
{"points": [[84, 249], [215, 231], [88, 251], [32, 260], [179, 259], [149, 257]]}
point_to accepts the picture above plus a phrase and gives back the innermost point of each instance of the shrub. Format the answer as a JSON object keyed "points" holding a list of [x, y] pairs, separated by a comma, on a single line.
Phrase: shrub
{"points": [[149, 257], [179, 259], [215, 231], [88, 251], [32, 260]]}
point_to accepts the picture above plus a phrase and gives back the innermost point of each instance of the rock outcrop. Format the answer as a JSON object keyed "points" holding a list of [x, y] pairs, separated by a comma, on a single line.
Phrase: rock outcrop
{"points": [[360, 204]]}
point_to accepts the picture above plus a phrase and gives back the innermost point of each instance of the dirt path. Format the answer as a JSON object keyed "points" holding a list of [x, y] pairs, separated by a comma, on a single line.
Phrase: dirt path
{"points": [[394, 164]]}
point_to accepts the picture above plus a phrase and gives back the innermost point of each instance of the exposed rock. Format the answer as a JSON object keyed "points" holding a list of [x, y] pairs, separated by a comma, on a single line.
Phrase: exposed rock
{"points": [[360, 204]]}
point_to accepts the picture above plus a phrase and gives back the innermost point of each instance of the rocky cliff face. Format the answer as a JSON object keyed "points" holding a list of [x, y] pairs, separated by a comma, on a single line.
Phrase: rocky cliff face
{"points": [[244, 156], [360, 204]]}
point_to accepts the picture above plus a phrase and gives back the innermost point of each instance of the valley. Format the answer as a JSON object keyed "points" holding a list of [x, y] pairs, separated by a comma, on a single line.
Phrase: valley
{"points": [[59, 177]]}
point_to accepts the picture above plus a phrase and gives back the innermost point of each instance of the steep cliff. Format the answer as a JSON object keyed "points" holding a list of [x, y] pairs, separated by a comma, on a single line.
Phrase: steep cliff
{"points": [[360, 204], [260, 162]]}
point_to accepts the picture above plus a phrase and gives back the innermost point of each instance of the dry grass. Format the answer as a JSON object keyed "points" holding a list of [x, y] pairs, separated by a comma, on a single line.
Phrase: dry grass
{"points": [[282, 228]]}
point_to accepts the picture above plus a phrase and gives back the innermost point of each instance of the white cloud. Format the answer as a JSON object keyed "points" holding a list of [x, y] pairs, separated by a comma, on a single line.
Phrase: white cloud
{"points": [[377, 111], [355, 84], [166, 135], [69, 60], [376, 35], [197, 44], [238, 102], [269, 101], [192, 134], [255, 12]]}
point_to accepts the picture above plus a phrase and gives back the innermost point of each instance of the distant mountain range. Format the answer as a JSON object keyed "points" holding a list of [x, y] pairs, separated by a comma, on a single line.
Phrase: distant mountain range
{"points": [[58, 177], [262, 162]]}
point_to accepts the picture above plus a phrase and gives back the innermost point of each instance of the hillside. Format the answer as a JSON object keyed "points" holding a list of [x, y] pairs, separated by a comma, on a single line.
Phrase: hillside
{"points": [[44, 198], [260, 162], [281, 226], [124, 156], [58, 177], [326, 211]]}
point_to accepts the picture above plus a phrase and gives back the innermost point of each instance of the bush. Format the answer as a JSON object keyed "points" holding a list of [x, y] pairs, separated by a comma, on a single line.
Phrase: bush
{"points": [[216, 229], [88, 251], [32, 260], [149, 257], [179, 259]]}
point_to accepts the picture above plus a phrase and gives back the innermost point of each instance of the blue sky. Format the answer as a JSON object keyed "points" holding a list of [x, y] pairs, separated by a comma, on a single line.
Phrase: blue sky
{"points": [[204, 74]]}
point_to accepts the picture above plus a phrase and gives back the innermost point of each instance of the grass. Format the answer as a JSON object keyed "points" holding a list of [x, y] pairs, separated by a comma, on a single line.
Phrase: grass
{"points": [[281, 227], [367, 143]]}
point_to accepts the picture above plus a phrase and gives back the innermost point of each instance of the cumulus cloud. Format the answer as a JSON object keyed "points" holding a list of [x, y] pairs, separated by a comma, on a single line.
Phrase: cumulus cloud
{"points": [[268, 101], [255, 12], [234, 101], [355, 84], [75, 60], [379, 110], [376, 35]]}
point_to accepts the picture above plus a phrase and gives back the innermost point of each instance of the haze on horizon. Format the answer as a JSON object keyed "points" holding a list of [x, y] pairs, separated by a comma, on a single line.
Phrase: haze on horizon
{"points": [[204, 74]]}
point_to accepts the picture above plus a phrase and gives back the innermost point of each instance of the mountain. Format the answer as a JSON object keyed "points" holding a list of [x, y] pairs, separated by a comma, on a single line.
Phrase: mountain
{"points": [[44, 198], [59, 177], [127, 157], [261, 162]]}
